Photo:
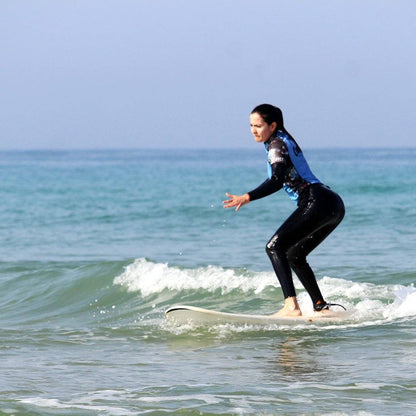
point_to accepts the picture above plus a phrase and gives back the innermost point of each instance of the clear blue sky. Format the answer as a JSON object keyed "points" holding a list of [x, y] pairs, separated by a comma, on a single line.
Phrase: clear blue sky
{"points": [[186, 73]]}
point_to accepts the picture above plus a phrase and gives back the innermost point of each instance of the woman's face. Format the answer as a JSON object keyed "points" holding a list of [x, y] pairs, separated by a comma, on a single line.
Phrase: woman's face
{"points": [[260, 129]]}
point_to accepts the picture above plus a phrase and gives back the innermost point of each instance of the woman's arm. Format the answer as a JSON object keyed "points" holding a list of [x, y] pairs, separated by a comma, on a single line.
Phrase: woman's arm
{"points": [[269, 186]]}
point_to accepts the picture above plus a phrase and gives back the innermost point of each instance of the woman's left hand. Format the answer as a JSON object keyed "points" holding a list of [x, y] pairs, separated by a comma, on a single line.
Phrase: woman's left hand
{"points": [[236, 201]]}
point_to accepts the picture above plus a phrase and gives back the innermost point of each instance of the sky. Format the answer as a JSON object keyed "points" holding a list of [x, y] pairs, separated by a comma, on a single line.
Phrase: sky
{"points": [[98, 74]]}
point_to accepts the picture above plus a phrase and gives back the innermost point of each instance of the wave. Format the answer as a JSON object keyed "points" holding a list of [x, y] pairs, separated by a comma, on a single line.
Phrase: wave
{"points": [[90, 295], [240, 290]]}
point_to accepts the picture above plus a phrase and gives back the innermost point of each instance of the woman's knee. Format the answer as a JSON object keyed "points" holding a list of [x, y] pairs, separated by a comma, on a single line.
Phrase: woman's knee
{"points": [[275, 245]]}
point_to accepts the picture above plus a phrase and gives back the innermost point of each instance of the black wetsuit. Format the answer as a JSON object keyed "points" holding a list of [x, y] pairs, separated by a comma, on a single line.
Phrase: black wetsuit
{"points": [[319, 211]]}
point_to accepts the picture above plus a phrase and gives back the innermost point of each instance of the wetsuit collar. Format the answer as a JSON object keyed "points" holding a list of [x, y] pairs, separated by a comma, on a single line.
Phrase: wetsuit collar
{"points": [[273, 136]]}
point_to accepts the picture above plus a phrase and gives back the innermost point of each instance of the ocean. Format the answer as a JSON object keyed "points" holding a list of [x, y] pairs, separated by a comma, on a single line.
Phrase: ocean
{"points": [[97, 244]]}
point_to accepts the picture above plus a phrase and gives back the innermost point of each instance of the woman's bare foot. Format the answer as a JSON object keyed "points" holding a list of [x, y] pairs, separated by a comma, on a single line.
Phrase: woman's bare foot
{"points": [[290, 308]]}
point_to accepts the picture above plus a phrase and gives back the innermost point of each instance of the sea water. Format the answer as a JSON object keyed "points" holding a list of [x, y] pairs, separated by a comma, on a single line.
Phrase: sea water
{"points": [[95, 245]]}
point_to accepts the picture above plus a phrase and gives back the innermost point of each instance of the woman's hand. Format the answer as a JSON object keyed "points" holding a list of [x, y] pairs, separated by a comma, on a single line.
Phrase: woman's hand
{"points": [[236, 201]]}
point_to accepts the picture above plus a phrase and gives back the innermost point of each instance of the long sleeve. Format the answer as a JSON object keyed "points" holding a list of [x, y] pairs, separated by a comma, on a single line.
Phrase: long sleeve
{"points": [[271, 185]]}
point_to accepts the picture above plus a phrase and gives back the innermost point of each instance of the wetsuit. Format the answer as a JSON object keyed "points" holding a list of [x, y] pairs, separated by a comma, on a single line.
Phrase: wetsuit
{"points": [[319, 211]]}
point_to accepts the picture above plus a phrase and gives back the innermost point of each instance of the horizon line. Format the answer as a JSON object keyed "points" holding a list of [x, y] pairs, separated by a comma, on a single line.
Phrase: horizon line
{"points": [[103, 149]]}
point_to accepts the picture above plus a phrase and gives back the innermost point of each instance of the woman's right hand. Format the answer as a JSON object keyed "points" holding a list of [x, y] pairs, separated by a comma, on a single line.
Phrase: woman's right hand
{"points": [[236, 201]]}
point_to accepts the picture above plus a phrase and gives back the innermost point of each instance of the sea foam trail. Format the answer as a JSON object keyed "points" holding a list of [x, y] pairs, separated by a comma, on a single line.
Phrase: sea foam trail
{"points": [[366, 302]]}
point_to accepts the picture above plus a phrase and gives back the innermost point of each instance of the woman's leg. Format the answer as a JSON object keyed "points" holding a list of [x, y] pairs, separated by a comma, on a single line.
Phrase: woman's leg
{"points": [[297, 259], [276, 249], [303, 231], [331, 209], [293, 230]]}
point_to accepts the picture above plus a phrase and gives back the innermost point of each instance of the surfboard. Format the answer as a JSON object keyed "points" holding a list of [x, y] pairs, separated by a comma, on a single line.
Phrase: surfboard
{"points": [[182, 314]]}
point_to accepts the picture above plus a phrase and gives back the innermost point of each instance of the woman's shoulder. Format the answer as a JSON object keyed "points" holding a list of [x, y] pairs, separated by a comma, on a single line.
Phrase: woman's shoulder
{"points": [[277, 143], [277, 150]]}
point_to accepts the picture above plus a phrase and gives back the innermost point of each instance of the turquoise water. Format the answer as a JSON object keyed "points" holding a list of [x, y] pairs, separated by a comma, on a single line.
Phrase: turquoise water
{"points": [[97, 244]]}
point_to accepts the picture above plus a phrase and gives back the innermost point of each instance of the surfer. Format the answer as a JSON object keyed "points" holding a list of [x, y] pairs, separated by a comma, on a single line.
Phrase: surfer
{"points": [[319, 209]]}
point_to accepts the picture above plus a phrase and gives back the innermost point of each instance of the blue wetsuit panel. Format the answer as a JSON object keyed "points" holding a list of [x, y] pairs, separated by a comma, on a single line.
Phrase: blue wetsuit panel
{"points": [[298, 172]]}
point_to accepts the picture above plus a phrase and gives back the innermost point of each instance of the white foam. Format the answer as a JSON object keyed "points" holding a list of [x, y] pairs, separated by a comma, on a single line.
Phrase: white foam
{"points": [[148, 278], [404, 304], [75, 405]]}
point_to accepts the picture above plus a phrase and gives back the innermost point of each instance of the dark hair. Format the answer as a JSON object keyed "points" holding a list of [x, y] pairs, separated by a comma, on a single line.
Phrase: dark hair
{"points": [[270, 114]]}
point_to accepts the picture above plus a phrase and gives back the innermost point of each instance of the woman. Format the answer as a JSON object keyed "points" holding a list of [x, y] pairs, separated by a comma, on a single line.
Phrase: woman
{"points": [[319, 210]]}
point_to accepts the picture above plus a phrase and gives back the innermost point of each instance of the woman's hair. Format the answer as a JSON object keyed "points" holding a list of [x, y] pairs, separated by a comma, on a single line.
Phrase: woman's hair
{"points": [[270, 114]]}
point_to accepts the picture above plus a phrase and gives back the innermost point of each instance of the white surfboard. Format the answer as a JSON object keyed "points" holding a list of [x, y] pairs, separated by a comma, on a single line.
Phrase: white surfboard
{"points": [[183, 314]]}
